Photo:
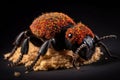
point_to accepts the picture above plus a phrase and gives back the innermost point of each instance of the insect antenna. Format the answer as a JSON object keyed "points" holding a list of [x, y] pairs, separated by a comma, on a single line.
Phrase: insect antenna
{"points": [[106, 37], [97, 39]]}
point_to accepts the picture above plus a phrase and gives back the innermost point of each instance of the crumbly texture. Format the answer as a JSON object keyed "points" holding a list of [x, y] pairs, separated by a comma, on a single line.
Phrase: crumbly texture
{"points": [[78, 33], [49, 24], [17, 74], [52, 59]]}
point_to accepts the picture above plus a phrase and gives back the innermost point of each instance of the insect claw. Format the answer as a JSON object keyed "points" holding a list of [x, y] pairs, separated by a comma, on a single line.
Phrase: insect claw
{"points": [[76, 65], [29, 68], [74, 62], [11, 64]]}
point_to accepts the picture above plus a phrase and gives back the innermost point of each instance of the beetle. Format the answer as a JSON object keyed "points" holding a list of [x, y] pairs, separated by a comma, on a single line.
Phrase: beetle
{"points": [[59, 31], [82, 41], [48, 28]]}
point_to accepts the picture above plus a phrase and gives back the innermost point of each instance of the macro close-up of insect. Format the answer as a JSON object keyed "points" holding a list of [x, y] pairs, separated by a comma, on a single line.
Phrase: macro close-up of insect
{"points": [[83, 42], [60, 40], [50, 28], [59, 31]]}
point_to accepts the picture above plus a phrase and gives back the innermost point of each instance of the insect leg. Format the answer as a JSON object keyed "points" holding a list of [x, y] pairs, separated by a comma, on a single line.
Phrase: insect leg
{"points": [[24, 50], [41, 52], [82, 54], [17, 43]]}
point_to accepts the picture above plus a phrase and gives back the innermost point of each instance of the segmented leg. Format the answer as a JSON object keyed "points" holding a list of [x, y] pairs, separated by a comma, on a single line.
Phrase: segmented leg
{"points": [[106, 37], [17, 43], [106, 49], [24, 50], [41, 52], [82, 55], [75, 60]]}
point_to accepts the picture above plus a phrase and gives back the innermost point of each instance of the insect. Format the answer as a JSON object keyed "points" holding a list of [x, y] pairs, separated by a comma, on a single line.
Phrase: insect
{"points": [[49, 28], [83, 41], [59, 31]]}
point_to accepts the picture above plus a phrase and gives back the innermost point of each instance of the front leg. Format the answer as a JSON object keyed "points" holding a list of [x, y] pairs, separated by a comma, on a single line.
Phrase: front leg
{"points": [[24, 50], [83, 52], [17, 43], [41, 52]]}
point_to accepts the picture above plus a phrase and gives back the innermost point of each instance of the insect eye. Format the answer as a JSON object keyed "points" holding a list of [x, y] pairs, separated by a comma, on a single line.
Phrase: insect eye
{"points": [[70, 35]]}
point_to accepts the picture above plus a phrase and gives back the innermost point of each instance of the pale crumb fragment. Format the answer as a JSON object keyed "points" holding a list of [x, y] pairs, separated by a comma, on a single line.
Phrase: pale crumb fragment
{"points": [[52, 59], [6, 55], [17, 74], [106, 58]]}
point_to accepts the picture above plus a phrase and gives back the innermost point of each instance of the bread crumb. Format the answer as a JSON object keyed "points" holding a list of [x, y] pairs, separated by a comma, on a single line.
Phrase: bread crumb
{"points": [[52, 59], [17, 74]]}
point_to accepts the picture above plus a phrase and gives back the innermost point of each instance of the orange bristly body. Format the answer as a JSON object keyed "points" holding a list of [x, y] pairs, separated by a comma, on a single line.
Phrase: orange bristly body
{"points": [[78, 32], [47, 25]]}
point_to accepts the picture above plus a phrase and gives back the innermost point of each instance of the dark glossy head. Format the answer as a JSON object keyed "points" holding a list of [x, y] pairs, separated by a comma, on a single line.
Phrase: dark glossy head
{"points": [[79, 39]]}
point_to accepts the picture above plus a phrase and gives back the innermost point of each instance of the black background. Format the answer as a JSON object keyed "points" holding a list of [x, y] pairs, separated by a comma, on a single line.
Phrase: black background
{"points": [[102, 17]]}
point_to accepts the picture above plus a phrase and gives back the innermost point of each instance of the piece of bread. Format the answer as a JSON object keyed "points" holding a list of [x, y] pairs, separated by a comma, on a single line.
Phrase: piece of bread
{"points": [[52, 59]]}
